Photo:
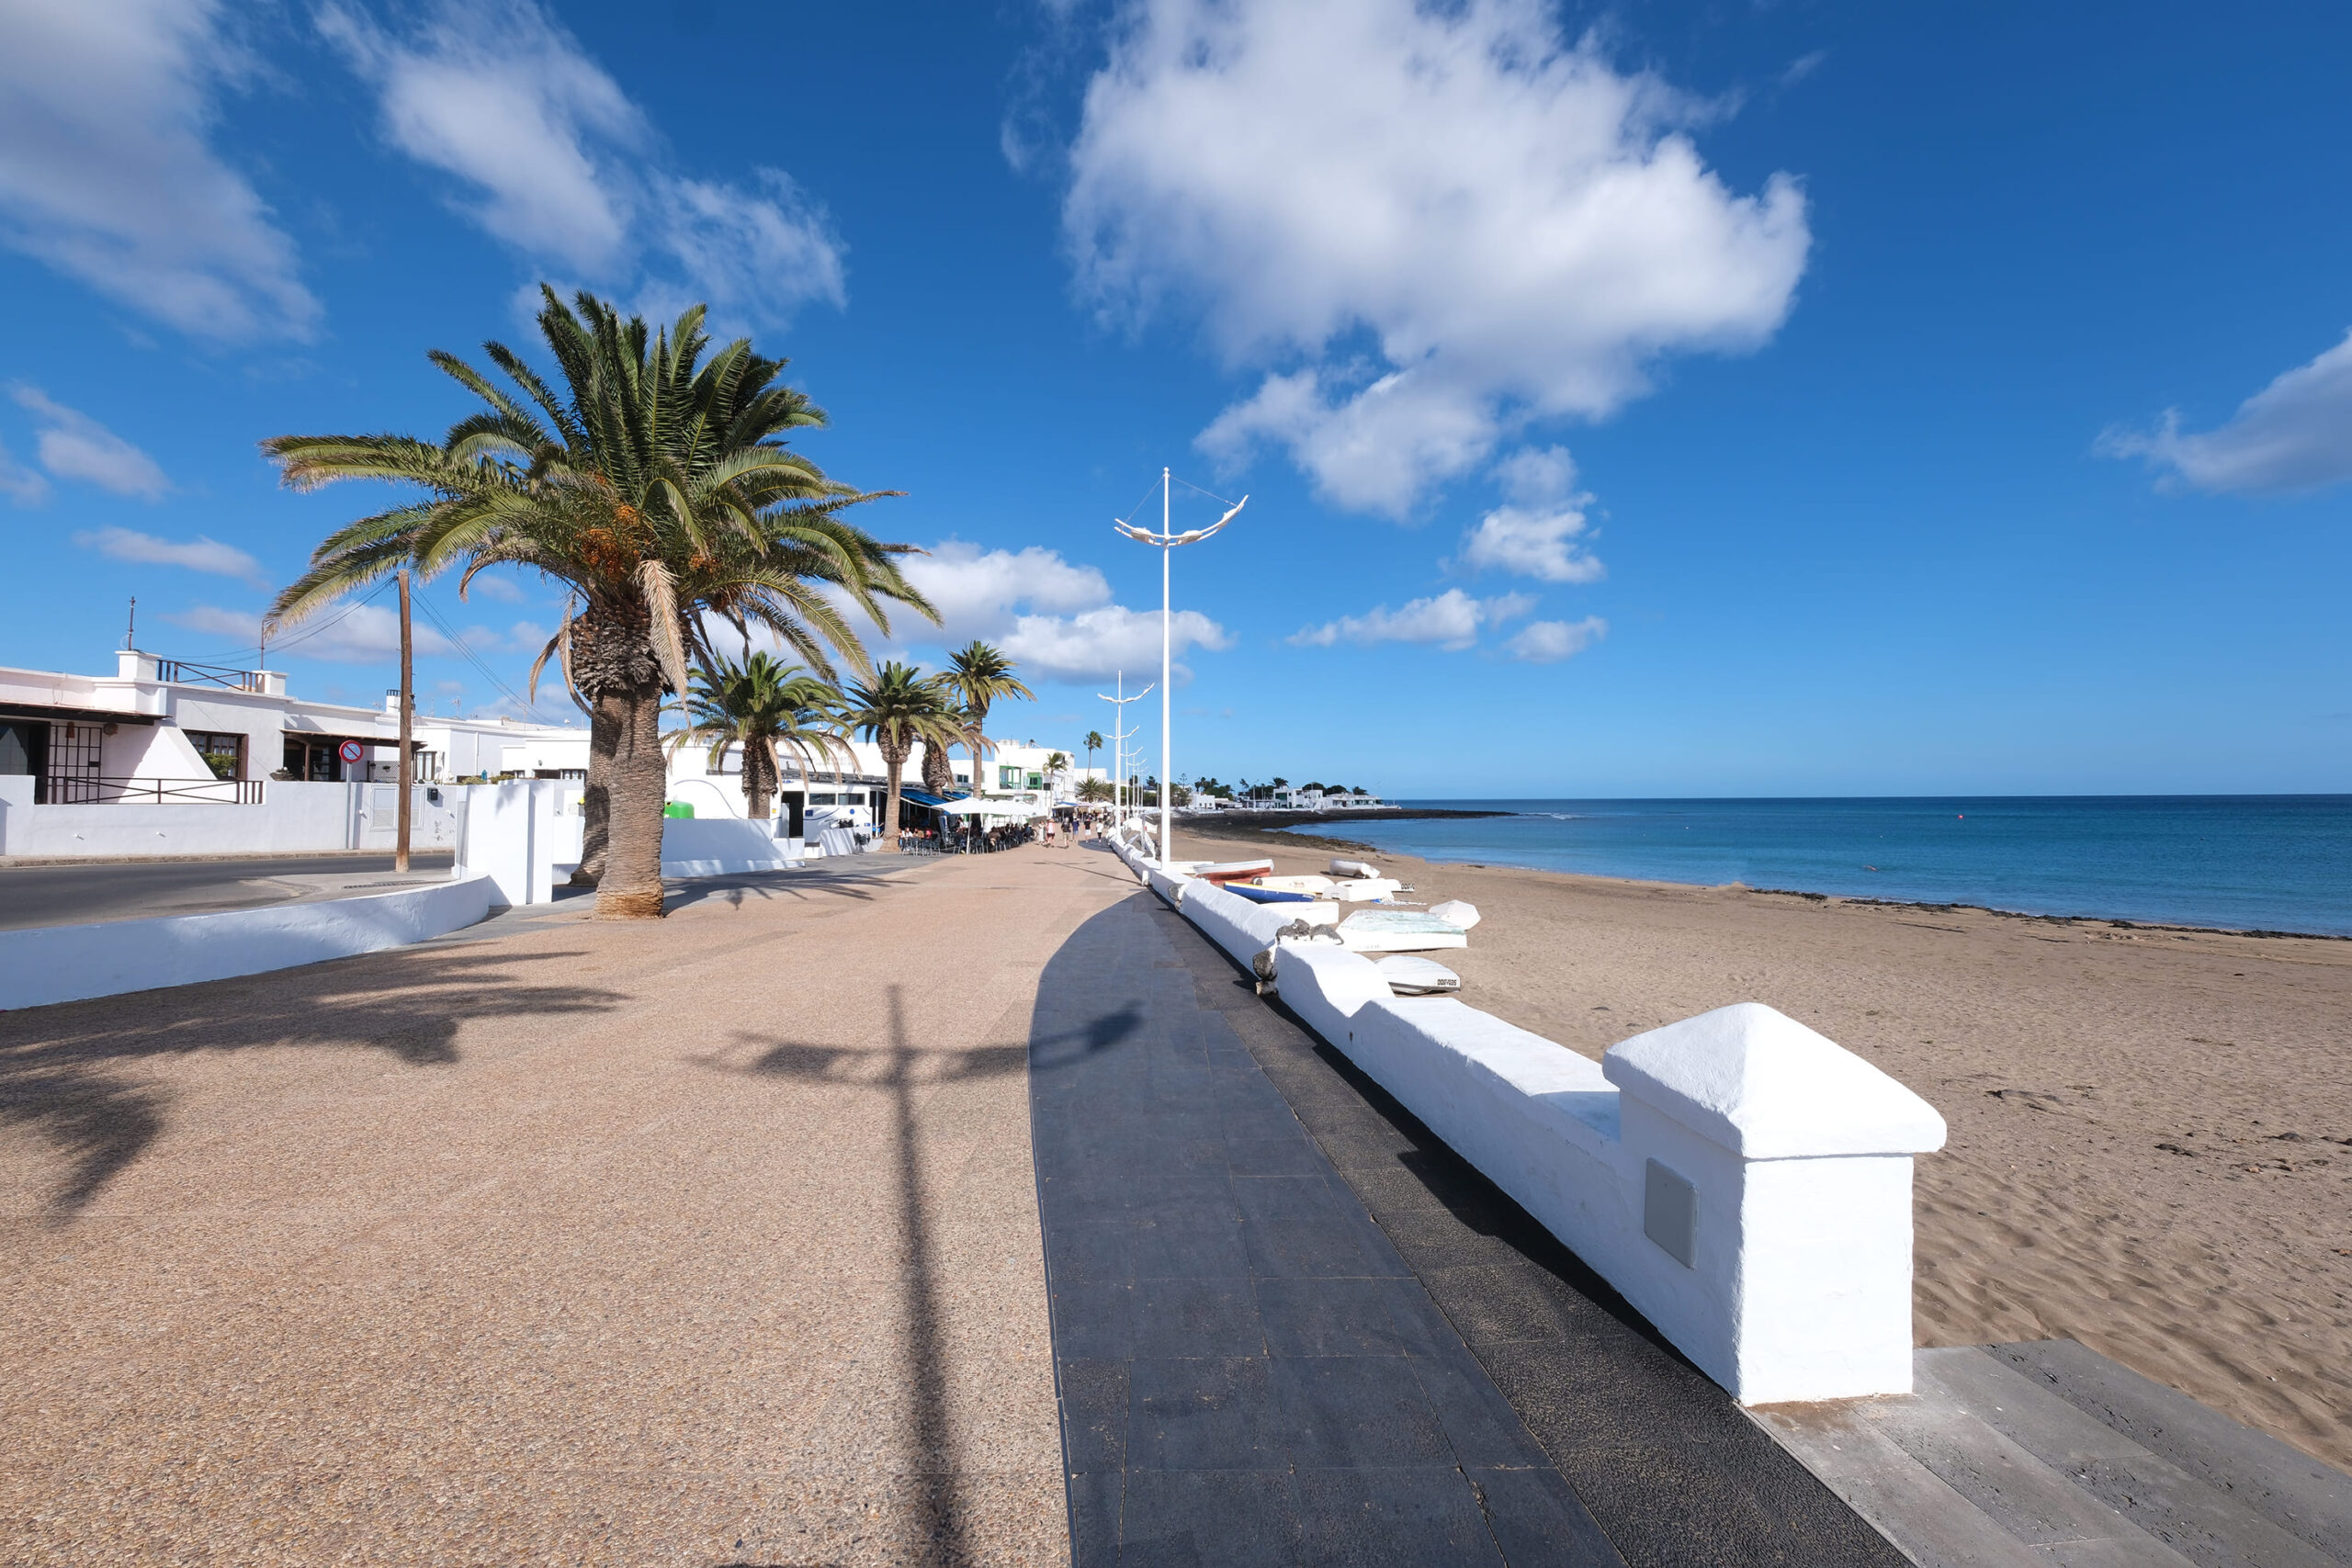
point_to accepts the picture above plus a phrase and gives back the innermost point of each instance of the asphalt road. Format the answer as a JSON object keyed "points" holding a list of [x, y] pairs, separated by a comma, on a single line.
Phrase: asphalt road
{"points": [[84, 894]]}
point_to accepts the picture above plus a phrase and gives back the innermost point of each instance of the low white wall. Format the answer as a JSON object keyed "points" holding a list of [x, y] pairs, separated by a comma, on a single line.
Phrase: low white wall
{"points": [[294, 817], [63, 964], [1745, 1182], [699, 846]]}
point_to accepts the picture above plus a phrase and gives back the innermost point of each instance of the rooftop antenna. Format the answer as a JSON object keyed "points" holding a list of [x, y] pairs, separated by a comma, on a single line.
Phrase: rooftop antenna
{"points": [[131, 632]]}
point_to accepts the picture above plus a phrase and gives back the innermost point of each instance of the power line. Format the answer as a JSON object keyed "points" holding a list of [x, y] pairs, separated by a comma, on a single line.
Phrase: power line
{"points": [[474, 659]]}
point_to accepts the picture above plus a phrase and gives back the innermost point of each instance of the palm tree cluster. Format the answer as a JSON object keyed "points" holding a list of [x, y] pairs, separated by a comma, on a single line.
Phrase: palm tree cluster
{"points": [[659, 487], [768, 708]]}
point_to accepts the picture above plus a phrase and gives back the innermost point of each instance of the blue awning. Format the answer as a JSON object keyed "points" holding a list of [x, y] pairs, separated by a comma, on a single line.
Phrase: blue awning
{"points": [[924, 796]]}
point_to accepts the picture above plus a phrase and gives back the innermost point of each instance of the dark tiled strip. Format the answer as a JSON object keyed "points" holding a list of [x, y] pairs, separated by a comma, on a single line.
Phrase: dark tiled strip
{"points": [[1185, 1128], [1248, 1371]]}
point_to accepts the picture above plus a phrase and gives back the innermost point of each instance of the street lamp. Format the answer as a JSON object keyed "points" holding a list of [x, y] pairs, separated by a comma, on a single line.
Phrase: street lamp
{"points": [[1119, 739], [1167, 542]]}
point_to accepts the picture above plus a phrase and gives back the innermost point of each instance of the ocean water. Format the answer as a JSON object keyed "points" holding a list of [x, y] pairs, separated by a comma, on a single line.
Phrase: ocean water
{"points": [[2263, 862]]}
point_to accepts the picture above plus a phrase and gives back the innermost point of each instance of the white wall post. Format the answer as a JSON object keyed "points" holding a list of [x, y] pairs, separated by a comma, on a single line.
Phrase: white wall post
{"points": [[15, 811], [510, 838], [1773, 1167], [1745, 1182]]}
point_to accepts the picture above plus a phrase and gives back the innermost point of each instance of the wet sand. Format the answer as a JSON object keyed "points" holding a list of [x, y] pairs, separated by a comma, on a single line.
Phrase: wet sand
{"points": [[2151, 1144]]}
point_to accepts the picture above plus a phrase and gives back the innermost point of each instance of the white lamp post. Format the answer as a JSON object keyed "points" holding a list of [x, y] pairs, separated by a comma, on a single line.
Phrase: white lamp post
{"points": [[1119, 739], [1167, 542]]}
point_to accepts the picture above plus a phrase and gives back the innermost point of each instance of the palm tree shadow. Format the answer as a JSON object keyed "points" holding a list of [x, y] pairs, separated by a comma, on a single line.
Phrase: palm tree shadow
{"points": [[767, 887], [82, 1075]]}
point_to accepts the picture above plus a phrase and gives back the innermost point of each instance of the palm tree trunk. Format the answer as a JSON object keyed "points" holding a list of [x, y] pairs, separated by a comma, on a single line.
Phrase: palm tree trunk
{"points": [[597, 802], [979, 737], [628, 777], [637, 775], [759, 789], [893, 762]]}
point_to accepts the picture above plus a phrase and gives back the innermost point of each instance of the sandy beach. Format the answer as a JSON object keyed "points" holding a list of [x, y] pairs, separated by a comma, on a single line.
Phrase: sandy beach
{"points": [[2150, 1145]]}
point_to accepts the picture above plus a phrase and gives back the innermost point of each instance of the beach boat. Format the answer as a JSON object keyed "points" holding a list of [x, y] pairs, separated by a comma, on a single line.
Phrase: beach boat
{"points": [[1319, 885], [1366, 890], [1290, 906], [1398, 931], [1410, 977], [1352, 868], [1259, 895], [1226, 870]]}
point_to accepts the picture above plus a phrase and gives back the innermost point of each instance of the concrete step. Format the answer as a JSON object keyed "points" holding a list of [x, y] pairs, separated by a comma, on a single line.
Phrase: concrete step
{"points": [[2048, 1453]]}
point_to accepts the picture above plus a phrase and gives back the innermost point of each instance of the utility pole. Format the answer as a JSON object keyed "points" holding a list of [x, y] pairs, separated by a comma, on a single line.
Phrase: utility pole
{"points": [[407, 773]]}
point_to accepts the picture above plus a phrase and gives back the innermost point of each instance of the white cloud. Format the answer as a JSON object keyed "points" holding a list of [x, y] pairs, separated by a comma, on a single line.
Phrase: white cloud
{"points": [[1450, 619], [563, 167], [1548, 642], [198, 554], [505, 589], [1534, 534], [362, 634], [1053, 616], [108, 173], [19, 483], [2294, 435], [1095, 644], [984, 593], [1516, 225], [73, 445]]}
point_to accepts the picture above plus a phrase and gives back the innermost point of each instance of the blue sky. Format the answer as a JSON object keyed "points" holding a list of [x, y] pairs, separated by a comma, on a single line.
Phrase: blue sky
{"points": [[1663, 398]]}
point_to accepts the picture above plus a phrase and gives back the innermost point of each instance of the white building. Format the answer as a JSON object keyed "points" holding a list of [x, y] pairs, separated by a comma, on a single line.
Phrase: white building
{"points": [[163, 731], [172, 729]]}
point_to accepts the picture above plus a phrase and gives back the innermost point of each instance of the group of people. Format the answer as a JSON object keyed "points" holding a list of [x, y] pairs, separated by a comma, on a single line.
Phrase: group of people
{"points": [[961, 835]]}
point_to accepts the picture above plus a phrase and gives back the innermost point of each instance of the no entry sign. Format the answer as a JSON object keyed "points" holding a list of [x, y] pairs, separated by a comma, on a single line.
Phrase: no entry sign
{"points": [[351, 751]]}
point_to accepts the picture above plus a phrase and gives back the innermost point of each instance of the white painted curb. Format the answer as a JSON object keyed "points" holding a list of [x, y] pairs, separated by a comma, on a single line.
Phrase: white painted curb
{"points": [[66, 963]]}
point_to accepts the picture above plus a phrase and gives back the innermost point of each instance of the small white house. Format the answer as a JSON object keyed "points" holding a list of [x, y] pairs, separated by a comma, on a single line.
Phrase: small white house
{"points": [[163, 728]]}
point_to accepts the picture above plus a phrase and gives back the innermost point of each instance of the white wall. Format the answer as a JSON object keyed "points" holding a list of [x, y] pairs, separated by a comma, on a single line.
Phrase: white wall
{"points": [[695, 846], [1745, 1182], [60, 963], [293, 818]]}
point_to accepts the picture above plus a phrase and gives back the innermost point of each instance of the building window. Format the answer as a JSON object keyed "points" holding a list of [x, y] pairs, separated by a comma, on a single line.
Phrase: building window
{"points": [[23, 748], [73, 754], [223, 753], [1008, 776]]}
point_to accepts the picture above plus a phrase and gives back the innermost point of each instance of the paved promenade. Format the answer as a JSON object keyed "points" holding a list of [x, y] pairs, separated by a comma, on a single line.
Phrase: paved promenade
{"points": [[715, 1242], [719, 1242], [1295, 1328]]}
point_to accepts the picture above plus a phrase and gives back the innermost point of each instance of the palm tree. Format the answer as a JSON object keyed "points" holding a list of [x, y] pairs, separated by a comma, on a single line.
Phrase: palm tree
{"points": [[1094, 789], [767, 707], [1055, 765], [1093, 744], [898, 708], [979, 674], [938, 770], [657, 488]]}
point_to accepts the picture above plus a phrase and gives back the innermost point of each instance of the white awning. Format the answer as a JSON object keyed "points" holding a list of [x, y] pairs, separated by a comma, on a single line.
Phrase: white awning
{"points": [[1019, 809]]}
